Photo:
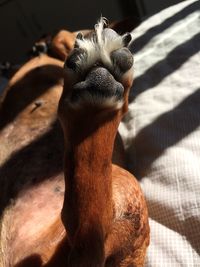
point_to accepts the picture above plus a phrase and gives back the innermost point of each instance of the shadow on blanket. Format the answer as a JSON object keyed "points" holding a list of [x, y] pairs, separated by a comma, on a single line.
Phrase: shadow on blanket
{"points": [[174, 60], [187, 109], [141, 41]]}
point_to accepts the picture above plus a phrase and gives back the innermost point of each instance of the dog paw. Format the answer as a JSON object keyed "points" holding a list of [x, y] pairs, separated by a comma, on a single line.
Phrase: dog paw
{"points": [[100, 61]]}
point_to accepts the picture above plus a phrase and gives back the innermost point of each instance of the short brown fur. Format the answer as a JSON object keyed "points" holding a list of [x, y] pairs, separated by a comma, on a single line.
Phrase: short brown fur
{"points": [[104, 225]]}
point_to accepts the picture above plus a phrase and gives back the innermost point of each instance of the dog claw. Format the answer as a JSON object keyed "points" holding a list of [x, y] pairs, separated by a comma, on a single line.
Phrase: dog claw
{"points": [[127, 39], [79, 36], [72, 60]]}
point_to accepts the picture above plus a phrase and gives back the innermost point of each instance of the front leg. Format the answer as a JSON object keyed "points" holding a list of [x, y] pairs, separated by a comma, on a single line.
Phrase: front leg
{"points": [[99, 75]]}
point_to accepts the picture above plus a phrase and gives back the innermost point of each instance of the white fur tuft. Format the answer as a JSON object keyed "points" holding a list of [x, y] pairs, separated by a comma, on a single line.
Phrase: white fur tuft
{"points": [[98, 48]]}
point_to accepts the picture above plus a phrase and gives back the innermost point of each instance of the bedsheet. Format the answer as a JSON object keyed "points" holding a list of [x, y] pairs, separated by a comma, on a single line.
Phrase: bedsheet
{"points": [[161, 131]]}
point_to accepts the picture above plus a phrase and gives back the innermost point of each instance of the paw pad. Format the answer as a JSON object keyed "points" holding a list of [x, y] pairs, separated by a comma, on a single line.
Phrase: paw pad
{"points": [[99, 87]]}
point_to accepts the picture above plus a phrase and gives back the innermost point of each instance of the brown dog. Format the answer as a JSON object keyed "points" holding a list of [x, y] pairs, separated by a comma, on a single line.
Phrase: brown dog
{"points": [[104, 216]]}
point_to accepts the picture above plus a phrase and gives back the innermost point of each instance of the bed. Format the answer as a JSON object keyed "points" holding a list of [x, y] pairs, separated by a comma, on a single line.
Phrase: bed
{"points": [[161, 131]]}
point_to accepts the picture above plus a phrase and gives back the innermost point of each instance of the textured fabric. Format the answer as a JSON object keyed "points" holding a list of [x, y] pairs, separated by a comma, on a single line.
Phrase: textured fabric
{"points": [[162, 131]]}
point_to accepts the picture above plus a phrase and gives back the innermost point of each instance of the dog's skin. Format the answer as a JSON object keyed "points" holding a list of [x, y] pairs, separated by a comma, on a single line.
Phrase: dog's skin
{"points": [[31, 172]]}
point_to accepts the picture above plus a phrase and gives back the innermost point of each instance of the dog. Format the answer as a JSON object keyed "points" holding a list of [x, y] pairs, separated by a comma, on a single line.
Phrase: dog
{"points": [[44, 220]]}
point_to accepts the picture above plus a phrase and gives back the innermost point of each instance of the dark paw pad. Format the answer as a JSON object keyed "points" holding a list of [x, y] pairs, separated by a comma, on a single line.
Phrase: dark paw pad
{"points": [[122, 58], [98, 87]]}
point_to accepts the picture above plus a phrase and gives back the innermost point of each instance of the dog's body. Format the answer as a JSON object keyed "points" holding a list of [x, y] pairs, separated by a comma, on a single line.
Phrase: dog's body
{"points": [[32, 149], [32, 178]]}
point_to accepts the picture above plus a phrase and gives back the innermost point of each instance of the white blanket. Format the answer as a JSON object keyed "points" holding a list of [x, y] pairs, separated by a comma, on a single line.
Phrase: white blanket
{"points": [[162, 131]]}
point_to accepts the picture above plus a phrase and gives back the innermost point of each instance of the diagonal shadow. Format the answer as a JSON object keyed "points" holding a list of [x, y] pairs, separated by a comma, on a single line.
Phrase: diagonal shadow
{"points": [[170, 127], [150, 143], [30, 87], [59, 258], [141, 41], [31, 261], [174, 60], [36, 162]]}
